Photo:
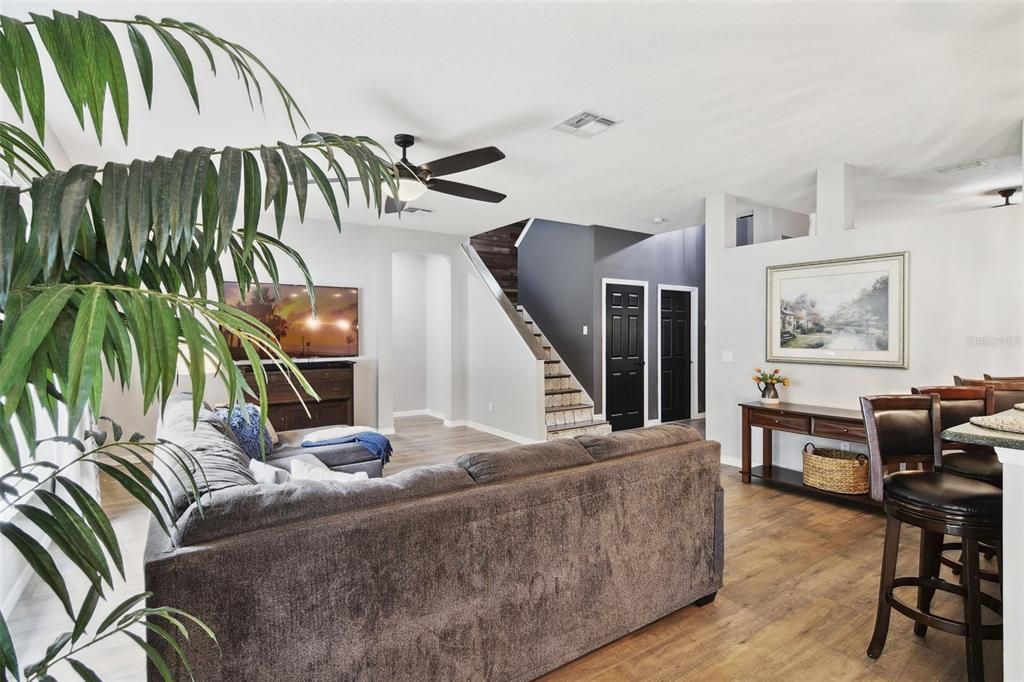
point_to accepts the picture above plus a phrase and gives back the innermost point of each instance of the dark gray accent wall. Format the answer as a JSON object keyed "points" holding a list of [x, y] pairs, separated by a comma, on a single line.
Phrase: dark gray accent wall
{"points": [[561, 266], [556, 264], [674, 258]]}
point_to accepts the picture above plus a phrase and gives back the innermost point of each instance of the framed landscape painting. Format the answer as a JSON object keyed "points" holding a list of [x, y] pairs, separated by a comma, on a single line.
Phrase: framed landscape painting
{"points": [[850, 311]]}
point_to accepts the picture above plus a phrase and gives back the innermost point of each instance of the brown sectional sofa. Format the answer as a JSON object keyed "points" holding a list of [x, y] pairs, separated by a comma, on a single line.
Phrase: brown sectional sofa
{"points": [[501, 566]]}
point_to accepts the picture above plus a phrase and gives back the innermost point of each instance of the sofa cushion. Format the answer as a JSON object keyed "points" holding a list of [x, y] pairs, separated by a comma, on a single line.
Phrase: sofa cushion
{"points": [[623, 443], [250, 434], [247, 508], [264, 473], [224, 464], [290, 445], [525, 460]]}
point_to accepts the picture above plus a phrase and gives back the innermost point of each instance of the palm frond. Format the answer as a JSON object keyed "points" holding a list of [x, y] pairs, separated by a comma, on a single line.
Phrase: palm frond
{"points": [[88, 61]]}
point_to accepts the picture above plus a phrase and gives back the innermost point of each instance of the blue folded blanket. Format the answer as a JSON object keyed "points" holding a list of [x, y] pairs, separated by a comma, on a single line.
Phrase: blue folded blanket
{"points": [[376, 443]]}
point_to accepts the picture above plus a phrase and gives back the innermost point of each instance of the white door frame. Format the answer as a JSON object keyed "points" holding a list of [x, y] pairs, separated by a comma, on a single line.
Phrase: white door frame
{"points": [[694, 347], [605, 281]]}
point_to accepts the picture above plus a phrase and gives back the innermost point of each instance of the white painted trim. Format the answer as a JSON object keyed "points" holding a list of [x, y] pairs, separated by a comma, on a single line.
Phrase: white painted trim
{"points": [[419, 413], [507, 435], [599, 417], [699, 415], [386, 432], [653, 422], [523, 233], [605, 281], [694, 345]]}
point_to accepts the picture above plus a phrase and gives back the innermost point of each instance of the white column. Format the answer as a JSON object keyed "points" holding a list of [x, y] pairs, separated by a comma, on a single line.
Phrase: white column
{"points": [[719, 221], [836, 197], [1013, 562]]}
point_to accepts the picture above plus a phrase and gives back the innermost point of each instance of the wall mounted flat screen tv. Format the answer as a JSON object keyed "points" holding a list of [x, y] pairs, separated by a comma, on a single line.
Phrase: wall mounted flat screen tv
{"points": [[334, 332]]}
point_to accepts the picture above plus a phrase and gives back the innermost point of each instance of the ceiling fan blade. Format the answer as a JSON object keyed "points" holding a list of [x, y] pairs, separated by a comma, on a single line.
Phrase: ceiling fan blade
{"points": [[457, 189], [457, 163], [392, 206]]}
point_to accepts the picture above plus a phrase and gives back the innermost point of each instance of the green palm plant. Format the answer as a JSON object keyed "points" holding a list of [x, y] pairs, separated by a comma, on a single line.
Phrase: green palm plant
{"points": [[121, 267]]}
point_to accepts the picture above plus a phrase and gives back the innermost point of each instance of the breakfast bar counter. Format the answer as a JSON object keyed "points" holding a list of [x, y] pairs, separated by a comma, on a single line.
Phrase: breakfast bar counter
{"points": [[1009, 448]]}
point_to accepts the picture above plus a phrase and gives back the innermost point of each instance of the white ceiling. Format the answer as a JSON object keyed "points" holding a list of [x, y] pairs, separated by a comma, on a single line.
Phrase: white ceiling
{"points": [[741, 98]]}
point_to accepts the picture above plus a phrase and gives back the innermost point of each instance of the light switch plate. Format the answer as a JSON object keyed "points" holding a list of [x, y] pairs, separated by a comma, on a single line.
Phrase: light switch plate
{"points": [[585, 330]]}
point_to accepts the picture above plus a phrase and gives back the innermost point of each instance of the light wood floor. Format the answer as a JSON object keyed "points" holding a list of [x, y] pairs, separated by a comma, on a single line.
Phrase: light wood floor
{"points": [[798, 602]]}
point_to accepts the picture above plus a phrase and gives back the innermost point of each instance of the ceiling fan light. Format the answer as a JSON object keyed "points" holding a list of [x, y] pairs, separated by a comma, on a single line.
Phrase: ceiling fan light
{"points": [[410, 189]]}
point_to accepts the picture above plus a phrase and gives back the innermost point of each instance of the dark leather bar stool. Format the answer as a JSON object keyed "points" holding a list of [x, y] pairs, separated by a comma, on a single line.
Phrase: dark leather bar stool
{"points": [[904, 429], [957, 405], [1007, 393]]}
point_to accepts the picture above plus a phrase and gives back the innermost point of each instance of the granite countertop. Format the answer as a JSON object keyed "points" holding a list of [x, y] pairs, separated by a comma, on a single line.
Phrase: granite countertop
{"points": [[977, 435]]}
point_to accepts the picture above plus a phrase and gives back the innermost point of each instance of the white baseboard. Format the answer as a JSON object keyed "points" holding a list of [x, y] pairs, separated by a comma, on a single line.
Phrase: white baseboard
{"points": [[699, 415], [653, 422], [386, 432], [419, 413], [731, 461], [500, 433]]}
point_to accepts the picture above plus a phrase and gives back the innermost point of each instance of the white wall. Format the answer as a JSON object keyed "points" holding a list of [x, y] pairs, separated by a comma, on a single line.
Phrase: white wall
{"points": [[409, 331], [505, 382], [362, 256], [438, 274], [421, 333], [966, 315]]}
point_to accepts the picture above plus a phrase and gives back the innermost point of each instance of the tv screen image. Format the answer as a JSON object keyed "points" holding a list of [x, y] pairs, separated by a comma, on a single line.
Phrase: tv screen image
{"points": [[334, 332]]}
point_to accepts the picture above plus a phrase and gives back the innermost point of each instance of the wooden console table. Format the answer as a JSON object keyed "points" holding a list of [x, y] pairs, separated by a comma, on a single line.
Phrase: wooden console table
{"points": [[810, 420]]}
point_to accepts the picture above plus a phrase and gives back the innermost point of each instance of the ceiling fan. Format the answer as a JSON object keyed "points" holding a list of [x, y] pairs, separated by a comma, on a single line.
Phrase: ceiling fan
{"points": [[1005, 194], [415, 181]]}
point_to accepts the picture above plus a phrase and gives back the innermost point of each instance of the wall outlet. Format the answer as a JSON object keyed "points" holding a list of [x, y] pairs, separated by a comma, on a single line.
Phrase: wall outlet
{"points": [[585, 330], [490, 407], [845, 447]]}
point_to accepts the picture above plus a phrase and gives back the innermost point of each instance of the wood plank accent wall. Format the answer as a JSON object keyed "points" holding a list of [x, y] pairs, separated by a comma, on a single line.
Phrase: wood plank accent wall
{"points": [[497, 249]]}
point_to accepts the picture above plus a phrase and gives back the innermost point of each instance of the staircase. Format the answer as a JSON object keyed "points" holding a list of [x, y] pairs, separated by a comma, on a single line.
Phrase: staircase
{"points": [[568, 411], [497, 249]]}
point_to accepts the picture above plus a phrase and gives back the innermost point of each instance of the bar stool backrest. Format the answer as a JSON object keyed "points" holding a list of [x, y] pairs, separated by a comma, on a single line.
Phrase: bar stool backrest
{"points": [[1007, 393], [901, 429], [959, 403]]}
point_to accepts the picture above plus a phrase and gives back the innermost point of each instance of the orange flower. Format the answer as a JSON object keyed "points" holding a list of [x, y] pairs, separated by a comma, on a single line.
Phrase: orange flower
{"points": [[785, 382]]}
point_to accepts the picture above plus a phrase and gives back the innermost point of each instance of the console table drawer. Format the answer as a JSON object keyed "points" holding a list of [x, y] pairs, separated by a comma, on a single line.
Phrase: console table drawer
{"points": [[780, 421], [836, 428]]}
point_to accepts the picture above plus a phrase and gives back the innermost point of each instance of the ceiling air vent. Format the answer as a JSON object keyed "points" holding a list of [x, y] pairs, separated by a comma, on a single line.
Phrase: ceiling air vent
{"points": [[966, 165], [586, 124]]}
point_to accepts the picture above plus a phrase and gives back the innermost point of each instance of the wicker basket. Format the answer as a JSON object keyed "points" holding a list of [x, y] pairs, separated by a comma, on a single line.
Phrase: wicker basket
{"points": [[837, 471]]}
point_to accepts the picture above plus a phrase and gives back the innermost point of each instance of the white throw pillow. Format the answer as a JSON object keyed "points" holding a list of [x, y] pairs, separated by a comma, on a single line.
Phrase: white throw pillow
{"points": [[306, 470], [265, 473]]}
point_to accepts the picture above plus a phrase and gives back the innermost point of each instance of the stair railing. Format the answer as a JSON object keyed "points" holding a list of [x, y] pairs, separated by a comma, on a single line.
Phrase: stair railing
{"points": [[532, 342]]}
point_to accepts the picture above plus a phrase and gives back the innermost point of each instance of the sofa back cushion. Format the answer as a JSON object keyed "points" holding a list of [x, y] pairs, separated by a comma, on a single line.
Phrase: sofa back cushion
{"points": [[223, 463], [525, 460], [635, 441], [247, 508]]}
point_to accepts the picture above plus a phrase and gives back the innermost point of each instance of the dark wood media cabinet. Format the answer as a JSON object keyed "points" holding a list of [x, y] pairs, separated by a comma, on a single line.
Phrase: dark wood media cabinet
{"points": [[810, 420], [331, 379]]}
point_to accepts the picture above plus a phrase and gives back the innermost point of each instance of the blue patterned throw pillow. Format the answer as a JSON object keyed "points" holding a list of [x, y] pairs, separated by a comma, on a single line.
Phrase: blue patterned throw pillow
{"points": [[244, 422]]}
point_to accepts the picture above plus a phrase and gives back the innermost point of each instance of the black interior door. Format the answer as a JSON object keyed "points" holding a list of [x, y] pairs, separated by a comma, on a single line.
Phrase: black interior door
{"points": [[676, 359], [624, 356]]}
